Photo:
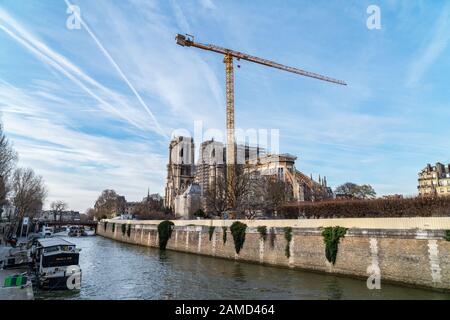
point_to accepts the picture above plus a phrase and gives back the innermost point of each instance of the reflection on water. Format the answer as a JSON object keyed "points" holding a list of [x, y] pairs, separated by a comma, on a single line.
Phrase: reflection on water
{"points": [[113, 270]]}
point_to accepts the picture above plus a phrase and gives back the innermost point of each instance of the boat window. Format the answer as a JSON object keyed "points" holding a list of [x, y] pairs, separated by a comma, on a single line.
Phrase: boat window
{"points": [[51, 249], [59, 260]]}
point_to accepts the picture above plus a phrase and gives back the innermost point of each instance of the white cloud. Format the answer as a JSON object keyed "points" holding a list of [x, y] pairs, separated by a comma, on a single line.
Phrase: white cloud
{"points": [[75, 165]]}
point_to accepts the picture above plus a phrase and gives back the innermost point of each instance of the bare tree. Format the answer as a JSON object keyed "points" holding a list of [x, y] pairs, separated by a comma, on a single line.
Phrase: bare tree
{"points": [[277, 192], [254, 200], [224, 195], [109, 204], [8, 158], [29, 193], [90, 213], [150, 209], [216, 195], [58, 207]]}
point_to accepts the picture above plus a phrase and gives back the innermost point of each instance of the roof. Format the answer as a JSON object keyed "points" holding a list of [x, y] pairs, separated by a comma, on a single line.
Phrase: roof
{"points": [[193, 188], [53, 242]]}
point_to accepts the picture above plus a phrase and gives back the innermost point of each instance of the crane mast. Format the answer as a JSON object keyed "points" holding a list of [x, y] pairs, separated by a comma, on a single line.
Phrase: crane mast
{"points": [[229, 70]]}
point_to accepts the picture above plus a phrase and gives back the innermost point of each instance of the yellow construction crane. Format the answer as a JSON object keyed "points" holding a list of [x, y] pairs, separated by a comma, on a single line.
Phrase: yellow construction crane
{"points": [[188, 41]]}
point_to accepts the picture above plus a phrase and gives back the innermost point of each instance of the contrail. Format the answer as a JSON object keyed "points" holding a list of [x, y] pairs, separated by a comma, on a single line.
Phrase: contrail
{"points": [[58, 67], [119, 70]]}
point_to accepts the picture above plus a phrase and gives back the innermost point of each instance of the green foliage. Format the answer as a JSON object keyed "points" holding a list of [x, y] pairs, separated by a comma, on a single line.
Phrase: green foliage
{"points": [[224, 235], [129, 230], [124, 228], [164, 233], [288, 237], [113, 227], [262, 232], [211, 232], [272, 237], [357, 191], [331, 237], [105, 225], [447, 235], [199, 213], [238, 232]]}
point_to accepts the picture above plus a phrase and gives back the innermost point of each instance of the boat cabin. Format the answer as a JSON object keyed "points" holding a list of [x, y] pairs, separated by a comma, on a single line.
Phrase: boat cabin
{"points": [[55, 260]]}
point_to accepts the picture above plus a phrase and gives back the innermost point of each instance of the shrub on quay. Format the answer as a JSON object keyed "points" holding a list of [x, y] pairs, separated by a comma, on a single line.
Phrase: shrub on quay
{"points": [[211, 232], [288, 237], [238, 232], [224, 234], [272, 237], [447, 235], [164, 233], [332, 237], [262, 232]]}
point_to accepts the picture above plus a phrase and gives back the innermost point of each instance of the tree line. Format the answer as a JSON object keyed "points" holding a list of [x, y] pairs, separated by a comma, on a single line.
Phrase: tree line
{"points": [[110, 204], [20, 187]]}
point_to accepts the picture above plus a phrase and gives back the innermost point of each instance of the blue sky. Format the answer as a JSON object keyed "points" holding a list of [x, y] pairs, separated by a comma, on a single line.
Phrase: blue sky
{"points": [[94, 108]]}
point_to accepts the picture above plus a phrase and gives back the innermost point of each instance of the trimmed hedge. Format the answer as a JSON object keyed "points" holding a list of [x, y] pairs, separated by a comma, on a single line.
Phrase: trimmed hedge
{"points": [[408, 207]]}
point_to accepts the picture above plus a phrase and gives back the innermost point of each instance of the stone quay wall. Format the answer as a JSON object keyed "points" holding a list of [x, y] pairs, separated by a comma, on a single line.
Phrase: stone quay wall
{"points": [[409, 251]]}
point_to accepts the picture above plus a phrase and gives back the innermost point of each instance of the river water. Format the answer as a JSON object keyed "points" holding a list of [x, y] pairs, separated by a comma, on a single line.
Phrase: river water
{"points": [[114, 270]]}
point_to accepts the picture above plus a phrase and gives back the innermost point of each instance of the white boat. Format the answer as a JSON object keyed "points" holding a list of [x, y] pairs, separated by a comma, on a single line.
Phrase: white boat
{"points": [[47, 231], [56, 264], [11, 258], [76, 231]]}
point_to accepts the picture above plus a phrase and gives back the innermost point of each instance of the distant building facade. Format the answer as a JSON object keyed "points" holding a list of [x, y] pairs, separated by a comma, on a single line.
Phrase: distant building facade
{"points": [[64, 216], [434, 180], [130, 207]]}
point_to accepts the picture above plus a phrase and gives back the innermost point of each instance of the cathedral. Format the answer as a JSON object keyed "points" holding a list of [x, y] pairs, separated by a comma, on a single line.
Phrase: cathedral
{"points": [[187, 181]]}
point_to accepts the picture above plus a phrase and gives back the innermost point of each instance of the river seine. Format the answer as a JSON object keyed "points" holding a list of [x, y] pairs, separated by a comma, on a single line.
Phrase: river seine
{"points": [[114, 270]]}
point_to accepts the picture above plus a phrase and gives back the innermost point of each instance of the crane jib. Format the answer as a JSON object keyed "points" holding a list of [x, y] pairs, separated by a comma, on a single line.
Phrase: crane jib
{"points": [[181, 40]]}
